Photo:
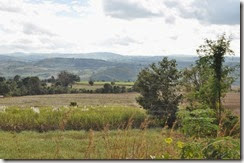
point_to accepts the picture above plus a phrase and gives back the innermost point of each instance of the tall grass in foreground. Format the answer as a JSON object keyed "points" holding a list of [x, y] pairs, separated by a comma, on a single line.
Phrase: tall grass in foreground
{"points": [[69, 118], [116, 138], [115, 144]]}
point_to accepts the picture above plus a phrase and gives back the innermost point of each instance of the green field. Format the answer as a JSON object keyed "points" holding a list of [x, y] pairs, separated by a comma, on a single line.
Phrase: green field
{"points": [[97, 85], [119, 83], [70, 118], [106, 144], [127, 144]]}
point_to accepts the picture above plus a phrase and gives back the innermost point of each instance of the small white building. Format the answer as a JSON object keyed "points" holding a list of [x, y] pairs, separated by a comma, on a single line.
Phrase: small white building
{"points": [[1, 96]]}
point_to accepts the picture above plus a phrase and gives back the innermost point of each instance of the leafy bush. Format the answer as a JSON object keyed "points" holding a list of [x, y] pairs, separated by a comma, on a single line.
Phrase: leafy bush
{"points": [[192, 151], [230, 124], [222, 148], [219, 148], [73, 104], [198, 123]]}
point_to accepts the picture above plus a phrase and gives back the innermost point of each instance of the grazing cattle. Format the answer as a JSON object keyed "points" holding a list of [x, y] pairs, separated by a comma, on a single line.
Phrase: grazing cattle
{"points": [[1, 96]]}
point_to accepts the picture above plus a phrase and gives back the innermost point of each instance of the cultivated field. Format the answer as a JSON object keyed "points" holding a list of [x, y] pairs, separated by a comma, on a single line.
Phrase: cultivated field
{"points": [[231, 101], [124, 99]]}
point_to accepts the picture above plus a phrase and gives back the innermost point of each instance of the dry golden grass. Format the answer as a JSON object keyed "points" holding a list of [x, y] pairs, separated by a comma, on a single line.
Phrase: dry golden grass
{"points": [[231, 101], [124, 99]]}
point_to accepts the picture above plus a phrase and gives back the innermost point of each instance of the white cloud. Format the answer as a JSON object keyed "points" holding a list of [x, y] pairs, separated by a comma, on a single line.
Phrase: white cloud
{"points": [[131, 27], [129, 9]]}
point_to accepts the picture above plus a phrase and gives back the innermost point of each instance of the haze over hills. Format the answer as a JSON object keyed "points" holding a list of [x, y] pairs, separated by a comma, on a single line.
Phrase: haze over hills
{"points": [[97, 66]]}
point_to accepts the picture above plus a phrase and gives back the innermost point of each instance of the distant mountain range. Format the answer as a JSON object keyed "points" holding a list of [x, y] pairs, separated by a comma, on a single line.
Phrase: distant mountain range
{"points": [[98, 66]]}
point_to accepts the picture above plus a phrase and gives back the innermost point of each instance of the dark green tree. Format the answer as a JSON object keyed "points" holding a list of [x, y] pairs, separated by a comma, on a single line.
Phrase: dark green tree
{"points": [[4, 88], [107, 88], [2, 79], [16, 78], [32, 85], [66, 78], [112, 83], [157, 85], [91, 83]]}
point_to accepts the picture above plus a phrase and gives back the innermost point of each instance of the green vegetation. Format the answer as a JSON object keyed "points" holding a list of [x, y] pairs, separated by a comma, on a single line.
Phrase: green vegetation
{"points": [[65, 83], [115, 144], [158, 88], [214, 52], [34, 86], [198, 123], [101, 83], [212, 149], [69, 118]]}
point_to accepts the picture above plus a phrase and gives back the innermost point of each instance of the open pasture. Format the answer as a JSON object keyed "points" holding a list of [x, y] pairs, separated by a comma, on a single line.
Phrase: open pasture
{"points": [[119, 83], [124, 99], [231, 101], [97, 85]]}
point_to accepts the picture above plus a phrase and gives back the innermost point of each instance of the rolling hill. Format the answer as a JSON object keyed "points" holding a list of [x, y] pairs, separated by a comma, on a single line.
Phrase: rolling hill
{"points": [[98, 66]]}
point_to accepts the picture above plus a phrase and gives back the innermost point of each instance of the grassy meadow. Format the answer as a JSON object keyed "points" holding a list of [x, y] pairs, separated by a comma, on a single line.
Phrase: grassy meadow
{"points": [[116, 144], [119, 83], [99, 84]]}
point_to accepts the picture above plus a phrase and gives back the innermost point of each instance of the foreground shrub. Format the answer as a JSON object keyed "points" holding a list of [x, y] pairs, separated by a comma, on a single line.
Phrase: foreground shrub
{"points": [[192, 151], [214, 149], [222, 148], [73, 104], [65, 118], [230, 125], [198, 123]]}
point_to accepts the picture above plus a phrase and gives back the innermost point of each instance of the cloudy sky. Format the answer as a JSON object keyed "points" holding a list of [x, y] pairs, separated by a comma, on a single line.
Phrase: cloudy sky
{"points": [[130, 27]]}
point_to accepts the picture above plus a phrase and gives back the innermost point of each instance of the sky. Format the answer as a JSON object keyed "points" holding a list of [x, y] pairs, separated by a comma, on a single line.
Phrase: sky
{"points": [[129, 27]]}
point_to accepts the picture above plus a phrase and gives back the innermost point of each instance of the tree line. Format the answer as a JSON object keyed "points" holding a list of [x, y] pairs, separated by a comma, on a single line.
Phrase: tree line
{"points": [[18, 86]]}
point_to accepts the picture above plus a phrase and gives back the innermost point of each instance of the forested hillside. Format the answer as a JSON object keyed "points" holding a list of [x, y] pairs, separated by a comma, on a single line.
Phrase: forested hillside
{"points": [[96, 66]]}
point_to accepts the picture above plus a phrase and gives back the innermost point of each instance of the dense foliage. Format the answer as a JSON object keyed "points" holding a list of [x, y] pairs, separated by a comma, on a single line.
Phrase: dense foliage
{"points": [[157, 85], [198, 123], [212, 149], [215, 51], [63, 84], [209, 80]]}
